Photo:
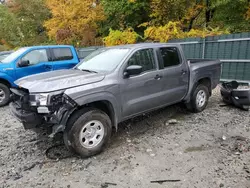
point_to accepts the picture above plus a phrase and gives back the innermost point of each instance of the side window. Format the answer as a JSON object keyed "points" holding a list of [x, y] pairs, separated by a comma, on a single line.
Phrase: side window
{"points": [[170, 56], [144, 58], [62, 54], [36, 56]]}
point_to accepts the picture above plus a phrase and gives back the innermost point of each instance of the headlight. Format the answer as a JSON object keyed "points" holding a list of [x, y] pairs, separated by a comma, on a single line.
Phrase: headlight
{"points": [[39, 99], [46, 99]]}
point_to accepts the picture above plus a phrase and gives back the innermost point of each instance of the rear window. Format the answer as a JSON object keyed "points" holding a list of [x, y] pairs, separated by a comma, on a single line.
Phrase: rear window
{"points": [[62, 54], [170, 56]]}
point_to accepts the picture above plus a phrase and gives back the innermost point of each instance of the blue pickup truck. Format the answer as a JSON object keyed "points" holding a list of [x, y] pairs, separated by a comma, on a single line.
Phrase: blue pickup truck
{"points": [[32, 60]]}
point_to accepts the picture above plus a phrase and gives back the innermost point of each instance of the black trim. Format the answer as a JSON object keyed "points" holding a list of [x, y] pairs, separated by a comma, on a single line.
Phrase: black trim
{"points": [[49, 54], [27, 118]]}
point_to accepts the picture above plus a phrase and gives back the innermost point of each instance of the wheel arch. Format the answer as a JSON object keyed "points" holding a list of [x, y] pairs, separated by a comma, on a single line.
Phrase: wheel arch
{"points": [[206, 80], [106, 106], [5, 82]]}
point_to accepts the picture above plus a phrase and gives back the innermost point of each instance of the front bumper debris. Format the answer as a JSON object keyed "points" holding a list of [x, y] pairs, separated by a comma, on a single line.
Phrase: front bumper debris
{"points": [[22, 110], [53, 117], [29, 119], [237, 97]]}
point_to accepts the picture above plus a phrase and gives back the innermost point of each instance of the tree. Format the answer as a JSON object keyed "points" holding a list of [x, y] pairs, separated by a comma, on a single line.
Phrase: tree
{"points": [[188, 12], [248, 13], [231, 14], [10, 33], [194, 12], [30, 15], [122, 14], [163, 11], [74, 22]]}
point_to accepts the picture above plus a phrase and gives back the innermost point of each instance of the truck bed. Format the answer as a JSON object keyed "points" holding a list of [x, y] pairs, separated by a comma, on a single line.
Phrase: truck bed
{"points": [[192, 61], [204, 68]]}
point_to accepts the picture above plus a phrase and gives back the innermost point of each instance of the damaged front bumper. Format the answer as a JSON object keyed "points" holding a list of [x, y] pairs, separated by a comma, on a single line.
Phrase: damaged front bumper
{"points": [[29, 119], [54, 116], [231, 94]]}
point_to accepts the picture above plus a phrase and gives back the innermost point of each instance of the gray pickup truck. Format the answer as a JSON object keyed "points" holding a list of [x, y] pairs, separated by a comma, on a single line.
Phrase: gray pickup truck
{"points": [[111, 85]]}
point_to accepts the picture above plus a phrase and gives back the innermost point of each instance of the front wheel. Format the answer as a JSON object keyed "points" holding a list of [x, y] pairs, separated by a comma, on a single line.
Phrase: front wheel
{"points": [[199, 99], [4, 94], [87, 132]]}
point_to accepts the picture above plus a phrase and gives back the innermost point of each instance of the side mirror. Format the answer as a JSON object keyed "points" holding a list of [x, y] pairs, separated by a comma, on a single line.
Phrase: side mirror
{"points": [[24, 63], [132, 70]]}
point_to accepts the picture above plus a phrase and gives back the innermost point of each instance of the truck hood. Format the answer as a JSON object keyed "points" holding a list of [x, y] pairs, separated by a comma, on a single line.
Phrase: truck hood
{"points": [[58, 80]]}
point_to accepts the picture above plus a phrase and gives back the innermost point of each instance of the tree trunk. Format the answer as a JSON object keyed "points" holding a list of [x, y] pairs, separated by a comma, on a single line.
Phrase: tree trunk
{"points": [[193, 18], [208, 12]]}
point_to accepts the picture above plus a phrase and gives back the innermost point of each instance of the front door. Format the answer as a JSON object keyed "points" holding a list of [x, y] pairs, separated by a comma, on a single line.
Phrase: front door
{"points": [[38, 63], [141, 92]]}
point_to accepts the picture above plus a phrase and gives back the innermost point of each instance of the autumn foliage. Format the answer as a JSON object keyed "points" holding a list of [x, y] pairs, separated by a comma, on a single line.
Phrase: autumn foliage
{"points": [[73, 21], [113, 22], [174, 30], [248, 13], [115, 37]]}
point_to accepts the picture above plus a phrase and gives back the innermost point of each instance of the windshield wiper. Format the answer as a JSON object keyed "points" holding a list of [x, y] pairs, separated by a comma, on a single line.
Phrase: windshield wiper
{"points": [[87, 70]]}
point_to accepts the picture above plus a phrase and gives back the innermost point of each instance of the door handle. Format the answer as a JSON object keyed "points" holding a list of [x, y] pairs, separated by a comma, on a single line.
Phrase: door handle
{"points": [[183, 72], [157, 77]]}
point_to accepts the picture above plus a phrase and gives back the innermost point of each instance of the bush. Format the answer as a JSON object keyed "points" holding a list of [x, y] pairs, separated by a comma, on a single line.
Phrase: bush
{"points": [[115, 37], [173, 30]]}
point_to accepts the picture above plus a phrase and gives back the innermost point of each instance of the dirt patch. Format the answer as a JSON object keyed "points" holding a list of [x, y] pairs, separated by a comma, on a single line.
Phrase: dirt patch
{"points": [[209, 149]]}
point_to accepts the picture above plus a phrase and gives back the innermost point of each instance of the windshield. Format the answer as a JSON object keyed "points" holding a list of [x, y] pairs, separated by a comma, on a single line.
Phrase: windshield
{"points": [[14, 55], [3, 56], [103, 60]]}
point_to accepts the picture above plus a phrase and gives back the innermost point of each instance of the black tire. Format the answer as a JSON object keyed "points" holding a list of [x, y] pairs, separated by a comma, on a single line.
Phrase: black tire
{"points": [[6, 93], [192, 105], [75, 125]]}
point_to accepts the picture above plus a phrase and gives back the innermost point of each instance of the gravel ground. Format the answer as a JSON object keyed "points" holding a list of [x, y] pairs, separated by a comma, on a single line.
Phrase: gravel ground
{"points": [[209, 149]]}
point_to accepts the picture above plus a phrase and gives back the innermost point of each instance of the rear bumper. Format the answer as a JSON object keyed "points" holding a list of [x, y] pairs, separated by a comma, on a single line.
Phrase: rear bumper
{"points": [[29, 119]]}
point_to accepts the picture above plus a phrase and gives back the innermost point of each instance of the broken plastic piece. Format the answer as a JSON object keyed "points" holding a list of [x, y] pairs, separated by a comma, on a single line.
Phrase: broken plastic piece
{"points": [[232, 95]]}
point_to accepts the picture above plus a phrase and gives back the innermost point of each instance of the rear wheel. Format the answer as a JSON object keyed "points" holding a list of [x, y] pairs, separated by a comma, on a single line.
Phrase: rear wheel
{"points": [[4, 94], [87, 132], [199, 99]]}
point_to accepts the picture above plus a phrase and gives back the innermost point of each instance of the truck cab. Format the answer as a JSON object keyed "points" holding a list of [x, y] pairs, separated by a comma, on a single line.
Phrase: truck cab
{"points": [[32, 60]]}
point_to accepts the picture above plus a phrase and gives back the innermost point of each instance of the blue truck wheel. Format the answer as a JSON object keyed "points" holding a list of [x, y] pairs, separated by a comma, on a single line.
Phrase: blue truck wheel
{"points": [[4, 95]]}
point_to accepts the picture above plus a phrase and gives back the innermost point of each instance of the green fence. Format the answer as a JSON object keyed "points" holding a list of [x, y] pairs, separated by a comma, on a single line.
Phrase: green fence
{"points": [[233, 50]]}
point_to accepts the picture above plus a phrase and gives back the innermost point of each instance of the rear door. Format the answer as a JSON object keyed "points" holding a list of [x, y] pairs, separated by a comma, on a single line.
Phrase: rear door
{"points": [[38, 60], [63, 58], [175, 74], [141, 92]]}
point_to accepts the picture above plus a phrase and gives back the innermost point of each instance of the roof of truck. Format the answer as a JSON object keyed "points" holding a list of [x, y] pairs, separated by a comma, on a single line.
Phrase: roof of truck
{"points": [[139, 45], [49, 46]]}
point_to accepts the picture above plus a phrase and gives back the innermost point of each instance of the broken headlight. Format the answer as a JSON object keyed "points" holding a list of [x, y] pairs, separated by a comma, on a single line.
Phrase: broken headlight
{"points": [[46, 99], [39, 99]]}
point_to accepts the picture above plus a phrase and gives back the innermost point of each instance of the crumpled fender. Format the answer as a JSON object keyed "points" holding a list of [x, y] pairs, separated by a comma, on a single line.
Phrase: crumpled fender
{"points": [[101, 96]]}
